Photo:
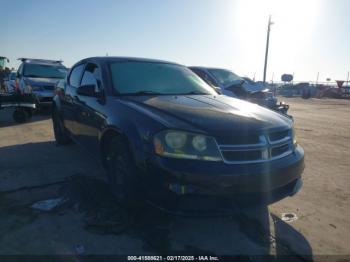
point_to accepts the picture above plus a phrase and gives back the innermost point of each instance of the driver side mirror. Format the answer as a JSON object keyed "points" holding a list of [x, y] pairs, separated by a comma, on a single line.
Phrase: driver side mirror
{"points": [[87, 90]]}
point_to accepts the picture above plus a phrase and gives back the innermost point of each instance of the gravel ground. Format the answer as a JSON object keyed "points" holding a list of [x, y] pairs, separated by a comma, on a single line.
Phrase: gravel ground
{"points": [[323, 129], [32, 168]]}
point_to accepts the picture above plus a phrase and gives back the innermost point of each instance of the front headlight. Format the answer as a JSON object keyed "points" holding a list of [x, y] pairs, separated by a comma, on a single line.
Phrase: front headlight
{"points": [[175, 140], [180, 144]]}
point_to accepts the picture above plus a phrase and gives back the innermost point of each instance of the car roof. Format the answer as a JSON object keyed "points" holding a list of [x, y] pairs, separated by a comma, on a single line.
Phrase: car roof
{"points": [[41, 61], [103, 59], [206, 68]]}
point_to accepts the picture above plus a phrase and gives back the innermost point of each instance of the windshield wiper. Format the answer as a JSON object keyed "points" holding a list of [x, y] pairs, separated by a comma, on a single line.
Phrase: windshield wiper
{"points": [[147, 93], [141, 93], [193, 93], [35, 76]]}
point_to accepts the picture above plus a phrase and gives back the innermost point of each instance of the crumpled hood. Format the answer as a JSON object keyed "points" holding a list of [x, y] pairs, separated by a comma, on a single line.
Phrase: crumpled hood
{"points": [[251, 88], [41, 81], [209, 113]]}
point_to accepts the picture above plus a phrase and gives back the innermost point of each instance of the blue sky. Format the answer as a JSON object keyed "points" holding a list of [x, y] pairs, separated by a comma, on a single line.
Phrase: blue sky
{"points": [[308, 36]]}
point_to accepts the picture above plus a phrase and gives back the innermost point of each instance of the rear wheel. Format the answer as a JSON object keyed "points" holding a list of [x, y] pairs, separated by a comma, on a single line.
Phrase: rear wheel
{"points": [[29, 112], [59, 131], [121, 171], [20, 115]]}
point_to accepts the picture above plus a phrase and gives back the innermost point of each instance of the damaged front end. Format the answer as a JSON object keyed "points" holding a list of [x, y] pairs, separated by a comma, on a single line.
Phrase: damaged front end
{"points": [[263, 97]]}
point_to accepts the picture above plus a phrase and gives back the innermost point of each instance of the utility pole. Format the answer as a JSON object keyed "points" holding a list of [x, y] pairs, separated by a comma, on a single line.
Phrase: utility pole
{"points": [[318, 74], [347, 79], [267, 47]]}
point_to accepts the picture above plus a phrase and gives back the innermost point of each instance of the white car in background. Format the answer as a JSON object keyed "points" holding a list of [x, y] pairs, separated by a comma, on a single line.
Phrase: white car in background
{"points": [[230, 84]]}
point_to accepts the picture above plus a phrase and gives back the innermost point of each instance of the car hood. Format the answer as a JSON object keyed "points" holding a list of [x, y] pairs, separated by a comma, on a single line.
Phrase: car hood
{"points": [[36, 81], [253, 87], [208, 113]]}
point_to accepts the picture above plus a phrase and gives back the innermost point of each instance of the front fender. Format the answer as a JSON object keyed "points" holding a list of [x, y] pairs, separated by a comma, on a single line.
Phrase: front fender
{"points": [[137, 140]]}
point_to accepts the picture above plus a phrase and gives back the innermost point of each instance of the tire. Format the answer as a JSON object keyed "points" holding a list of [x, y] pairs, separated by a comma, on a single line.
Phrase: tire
{"points": [[20, 115], [60, 134], [121, 172], [29, 112]]}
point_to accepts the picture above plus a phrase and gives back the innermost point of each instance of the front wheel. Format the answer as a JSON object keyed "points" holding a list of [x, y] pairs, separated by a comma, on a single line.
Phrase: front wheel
{"points": [[121, 172], [60, 135]]}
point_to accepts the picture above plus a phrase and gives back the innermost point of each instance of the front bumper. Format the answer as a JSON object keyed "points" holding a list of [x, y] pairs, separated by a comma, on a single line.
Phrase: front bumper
{"points": [[44, 98], [185, 179]]}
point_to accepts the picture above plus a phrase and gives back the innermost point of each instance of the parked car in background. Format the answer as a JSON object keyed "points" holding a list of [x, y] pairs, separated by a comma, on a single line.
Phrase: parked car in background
{"points": [[233, 85], [251, 85], [39, 76], [10, 82], [165, 135]]}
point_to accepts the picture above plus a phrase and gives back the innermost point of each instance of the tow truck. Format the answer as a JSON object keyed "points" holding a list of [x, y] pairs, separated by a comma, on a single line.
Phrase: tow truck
{"points": [[24, 104]]}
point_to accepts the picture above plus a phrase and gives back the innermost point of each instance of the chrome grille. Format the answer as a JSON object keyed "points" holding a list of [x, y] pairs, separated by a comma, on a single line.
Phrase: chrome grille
{"points": [[267, 147], [242, 155], [238, 139], [49, 87], [279, 150], [275, 136]]}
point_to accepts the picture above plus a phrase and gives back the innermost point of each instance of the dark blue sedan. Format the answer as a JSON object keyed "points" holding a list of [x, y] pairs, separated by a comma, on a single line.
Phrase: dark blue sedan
{"points": [[164, 134]]}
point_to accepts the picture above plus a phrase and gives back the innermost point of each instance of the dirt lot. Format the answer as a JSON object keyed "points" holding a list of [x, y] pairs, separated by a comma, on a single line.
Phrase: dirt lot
{"points": [[32, 168], [323, 129]]}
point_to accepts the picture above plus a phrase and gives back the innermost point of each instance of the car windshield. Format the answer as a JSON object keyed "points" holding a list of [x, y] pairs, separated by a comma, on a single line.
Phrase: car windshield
{"points": [[248, 80], [44, 71], [143, 78], [225, 77]]}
